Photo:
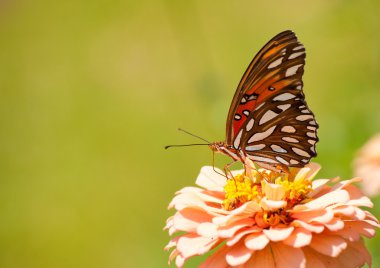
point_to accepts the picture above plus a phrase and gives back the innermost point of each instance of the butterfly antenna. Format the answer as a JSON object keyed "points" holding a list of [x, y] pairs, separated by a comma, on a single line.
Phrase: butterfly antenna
{"points": [[183, 145], [191, 134]]}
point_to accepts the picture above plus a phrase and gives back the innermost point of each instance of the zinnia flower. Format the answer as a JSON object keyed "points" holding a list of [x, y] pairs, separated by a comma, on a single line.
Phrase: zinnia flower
{"points": [[265, 219], [367, 166]]}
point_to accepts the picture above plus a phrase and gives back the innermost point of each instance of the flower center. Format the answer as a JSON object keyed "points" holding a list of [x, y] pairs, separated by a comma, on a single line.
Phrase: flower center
{"points": [[273, 191]]}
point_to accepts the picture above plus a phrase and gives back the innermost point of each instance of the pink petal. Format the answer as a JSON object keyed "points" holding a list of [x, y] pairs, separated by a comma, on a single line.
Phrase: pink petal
{"points": [[277, 234], [357, 198], [335, 224], [299, 238], [261, 259], [191, 244], [230, 230], [211, 180], [328, 244], [321, 216], [286, 256], [339, 196], [256, 241], [314, 228], [236, 238], [217, 259], [238, 255]]}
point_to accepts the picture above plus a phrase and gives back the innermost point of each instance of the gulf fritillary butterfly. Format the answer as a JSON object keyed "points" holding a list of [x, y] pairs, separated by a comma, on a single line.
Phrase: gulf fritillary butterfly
{"points": [[269, 121]]}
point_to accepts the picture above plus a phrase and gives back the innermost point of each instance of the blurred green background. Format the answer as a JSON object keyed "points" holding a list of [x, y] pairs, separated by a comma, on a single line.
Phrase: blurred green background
{"points": [[91, 91]]}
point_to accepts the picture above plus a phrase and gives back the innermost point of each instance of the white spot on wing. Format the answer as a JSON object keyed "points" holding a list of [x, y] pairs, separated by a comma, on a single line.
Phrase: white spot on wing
{"points": [[262, 159], [311, 134], [255, 147], [294, 162], [278, 149], [292, 70], [284, 97], [246, 112], [275, 63], [312, 142], [267, 116], [237, 139], [299, 87], [295, 55], [249, 126], [298, 48], [237, 116], [288, 129], [284, 106], [300, 152], [311, 128], [304, 117], [305, 111], [261, 105], [261, 135], [313, 123], [282, 160], [290, 139]]}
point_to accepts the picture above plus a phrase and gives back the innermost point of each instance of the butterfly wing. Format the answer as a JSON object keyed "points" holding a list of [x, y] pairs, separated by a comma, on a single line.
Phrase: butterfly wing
{"points": [[269, 120]]}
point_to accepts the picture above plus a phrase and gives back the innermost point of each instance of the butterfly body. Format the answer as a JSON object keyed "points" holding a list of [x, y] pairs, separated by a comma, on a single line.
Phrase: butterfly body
{"points": [[269, 121]]}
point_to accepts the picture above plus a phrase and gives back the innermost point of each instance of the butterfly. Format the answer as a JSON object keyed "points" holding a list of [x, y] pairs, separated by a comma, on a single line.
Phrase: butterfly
{"points": [[269, 121]]}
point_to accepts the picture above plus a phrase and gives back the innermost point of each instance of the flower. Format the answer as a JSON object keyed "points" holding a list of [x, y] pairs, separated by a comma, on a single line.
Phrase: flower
{"points": [[367, 166], [260, 218]]}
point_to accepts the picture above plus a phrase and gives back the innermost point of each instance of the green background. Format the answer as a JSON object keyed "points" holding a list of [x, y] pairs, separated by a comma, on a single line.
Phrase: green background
{"points": [[91, 91]]}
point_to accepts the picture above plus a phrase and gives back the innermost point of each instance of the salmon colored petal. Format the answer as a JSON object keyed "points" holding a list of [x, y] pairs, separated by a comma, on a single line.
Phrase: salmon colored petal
{"points": [[273, 191], [329, 245], [361, 227], [180, 261], [339, 196], [309, 171], [185, 200], [191, 244], [230, 230], [189, 218], [256, 241], [236, 238], [270, 205], [207, 229], [247, 209], [277, 234], [359, 246], [314, 228], [317, 260], [344, 211], [335, 224], [351, 258], [261, 259], [211, 180], [286, 256], [357, 198], [299, 238], [217, 259], [238, 255], [321, 216], [318, 186]]}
